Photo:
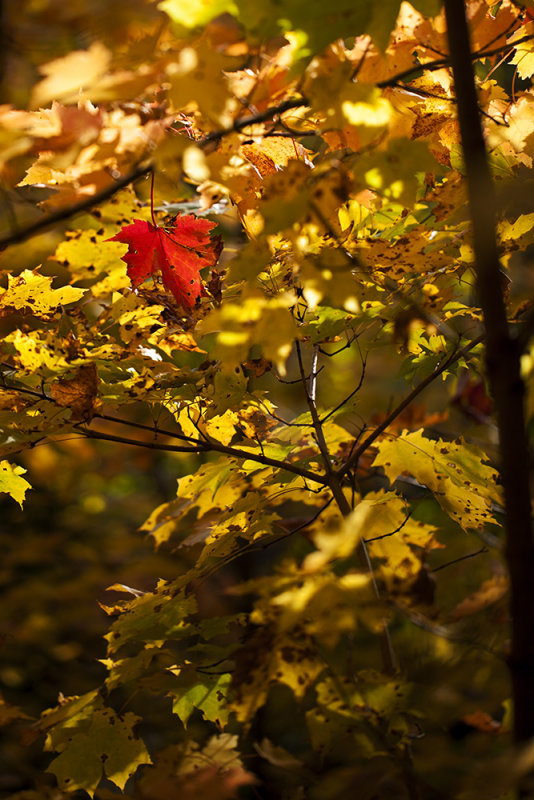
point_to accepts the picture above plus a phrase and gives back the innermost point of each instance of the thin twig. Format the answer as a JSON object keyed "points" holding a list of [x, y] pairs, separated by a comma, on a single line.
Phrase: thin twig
{"points": [[313, 374], [245, 122], [349, 396], [440, 63], [461, 558], [310, 399], [443, 632], [154, 445], [299, 528], [333, 481], [392, 416], [391, 533]]}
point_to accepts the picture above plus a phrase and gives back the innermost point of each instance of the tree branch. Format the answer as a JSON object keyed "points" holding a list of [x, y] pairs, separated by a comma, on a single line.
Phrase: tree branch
{"points": [[215, 136], [65, 213], [253, 119], [192, 445], [461, 558], [440, 63], [334, 483], [391, 417], [153, 445], [310, 399]]}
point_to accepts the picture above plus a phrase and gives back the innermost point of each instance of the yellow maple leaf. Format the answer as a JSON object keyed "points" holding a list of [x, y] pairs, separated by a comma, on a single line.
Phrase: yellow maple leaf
{"points": [[11, 481], [464, 486], [523, 57], [65, 77], [32, 292]]}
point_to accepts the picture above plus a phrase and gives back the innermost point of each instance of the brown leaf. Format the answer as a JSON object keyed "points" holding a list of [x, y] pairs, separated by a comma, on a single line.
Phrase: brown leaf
{"points": [[482, 722], [78, 393], [209, 783], [489, 593]]}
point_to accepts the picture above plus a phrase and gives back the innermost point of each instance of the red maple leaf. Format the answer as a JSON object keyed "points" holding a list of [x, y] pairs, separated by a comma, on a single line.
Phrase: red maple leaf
{"points": [[178, 252]]}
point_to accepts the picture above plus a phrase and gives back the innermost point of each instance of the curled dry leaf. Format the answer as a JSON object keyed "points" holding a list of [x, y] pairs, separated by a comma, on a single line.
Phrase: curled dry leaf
{"points": [[491, 591], [78, 393]]}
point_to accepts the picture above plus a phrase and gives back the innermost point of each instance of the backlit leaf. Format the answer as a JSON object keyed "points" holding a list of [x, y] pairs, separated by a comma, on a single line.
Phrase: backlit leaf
{"points": [[12, 483], [191, 13], [209, 695], [177, 252], [66, 76], [464, 486], [33, 293]]}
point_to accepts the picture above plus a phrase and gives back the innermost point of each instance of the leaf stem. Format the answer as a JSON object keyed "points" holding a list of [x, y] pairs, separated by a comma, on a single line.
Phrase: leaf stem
{"points": [[154, 223]]}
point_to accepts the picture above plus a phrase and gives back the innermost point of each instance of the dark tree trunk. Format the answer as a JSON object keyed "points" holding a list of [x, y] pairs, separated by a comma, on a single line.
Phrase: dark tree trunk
{"points": [[503, 354]]}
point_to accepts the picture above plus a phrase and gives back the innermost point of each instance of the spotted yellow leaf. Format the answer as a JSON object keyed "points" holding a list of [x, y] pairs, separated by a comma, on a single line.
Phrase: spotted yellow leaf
{"points": [[457, 474]]}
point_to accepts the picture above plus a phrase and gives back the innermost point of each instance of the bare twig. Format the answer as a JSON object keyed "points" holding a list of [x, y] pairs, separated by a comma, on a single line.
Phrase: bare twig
{"points": [[349, 396], [152, 445], [310, 398], [333, 481], [391, 533], [461, 558], [245, 122], [440, 63]]}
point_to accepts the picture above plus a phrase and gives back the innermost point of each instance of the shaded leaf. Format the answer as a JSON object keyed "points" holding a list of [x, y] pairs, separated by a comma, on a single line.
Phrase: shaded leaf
{"points": [[107, 746], [78, 393], [208, 695]]}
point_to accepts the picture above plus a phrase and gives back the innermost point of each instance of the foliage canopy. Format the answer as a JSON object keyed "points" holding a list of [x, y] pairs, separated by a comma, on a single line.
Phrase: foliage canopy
{"points": [[333, 613]]}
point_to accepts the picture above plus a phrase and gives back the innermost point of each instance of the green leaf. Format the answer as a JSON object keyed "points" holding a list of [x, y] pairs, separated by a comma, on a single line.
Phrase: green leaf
{"points": [[208, 695], [193, 13], [327, 323]]}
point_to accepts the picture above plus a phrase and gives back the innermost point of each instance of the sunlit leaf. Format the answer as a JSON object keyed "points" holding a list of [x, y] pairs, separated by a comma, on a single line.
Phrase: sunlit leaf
{"points": [[456, 472], [12, 483]]}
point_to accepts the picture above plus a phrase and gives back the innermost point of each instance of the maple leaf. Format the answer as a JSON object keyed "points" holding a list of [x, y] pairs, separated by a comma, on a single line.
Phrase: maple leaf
{"points": [[11, 481], [178, 253]]}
